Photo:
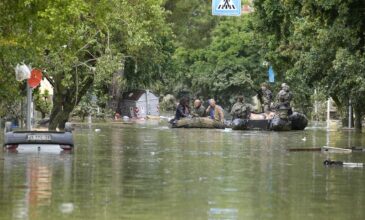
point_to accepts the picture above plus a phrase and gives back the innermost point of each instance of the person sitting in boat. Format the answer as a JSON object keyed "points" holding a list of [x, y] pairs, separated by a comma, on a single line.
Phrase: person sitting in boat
{"points": [[265, 96], [284, 98], [240, 109], [198, 110], [182, 109], [214, 111]]}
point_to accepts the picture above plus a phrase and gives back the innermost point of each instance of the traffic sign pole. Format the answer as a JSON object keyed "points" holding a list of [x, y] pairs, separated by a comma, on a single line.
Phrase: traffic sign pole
{"points": [[34, 81], [29, 107]]}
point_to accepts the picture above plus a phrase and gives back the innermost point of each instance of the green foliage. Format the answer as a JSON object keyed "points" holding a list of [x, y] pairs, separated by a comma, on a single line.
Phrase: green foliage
{"points": [[86, 107], [228, 66], [89, 106], [78, 43], [11, 52], [178, 46], [191, 22], [317, 44], [42, 102]]}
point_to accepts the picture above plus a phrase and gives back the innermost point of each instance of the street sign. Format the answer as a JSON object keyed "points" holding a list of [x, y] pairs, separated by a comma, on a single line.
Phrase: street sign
{"points": [[35, 78], [226, 7]]}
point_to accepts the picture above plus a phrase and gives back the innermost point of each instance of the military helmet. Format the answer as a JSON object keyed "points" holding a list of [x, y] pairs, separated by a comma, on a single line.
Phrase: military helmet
{"points": [[264, 84], [285, 87]]}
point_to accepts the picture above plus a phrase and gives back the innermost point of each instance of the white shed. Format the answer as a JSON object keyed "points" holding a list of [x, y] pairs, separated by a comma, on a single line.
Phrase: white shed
{"points": [[139, 104]]}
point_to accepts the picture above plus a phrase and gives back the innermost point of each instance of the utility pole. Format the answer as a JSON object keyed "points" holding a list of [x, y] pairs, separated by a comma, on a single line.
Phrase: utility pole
{"points": [[328, 113], [147, 91], [350, 114], [315, 105]]}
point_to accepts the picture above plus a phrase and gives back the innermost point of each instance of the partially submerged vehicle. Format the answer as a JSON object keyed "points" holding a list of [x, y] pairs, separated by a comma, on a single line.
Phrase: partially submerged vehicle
{"points": [[12, 139], [296, 121]]}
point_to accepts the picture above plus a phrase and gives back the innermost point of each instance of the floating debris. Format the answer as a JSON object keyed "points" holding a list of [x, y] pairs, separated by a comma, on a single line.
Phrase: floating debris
{"points": [[342, 164], [304, 149], [335, 150], [66, 208], [327, 149]]}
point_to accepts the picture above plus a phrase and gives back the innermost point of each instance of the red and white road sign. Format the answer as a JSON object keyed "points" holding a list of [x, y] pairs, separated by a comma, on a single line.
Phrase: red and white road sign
{"points": [[35, 78]]}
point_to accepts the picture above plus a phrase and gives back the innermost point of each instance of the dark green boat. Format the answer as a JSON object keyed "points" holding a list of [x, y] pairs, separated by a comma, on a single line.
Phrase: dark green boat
{"points": [[296, 121]]}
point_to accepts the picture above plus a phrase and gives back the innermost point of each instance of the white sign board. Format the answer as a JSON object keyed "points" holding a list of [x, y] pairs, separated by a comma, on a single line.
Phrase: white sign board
{"points": [[226, 7]]}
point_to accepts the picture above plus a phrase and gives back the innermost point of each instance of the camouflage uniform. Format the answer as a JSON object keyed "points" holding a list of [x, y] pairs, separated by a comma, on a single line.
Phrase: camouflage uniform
{"points": [[266, 99], [284, 98], [240, 110], [198, 112]]}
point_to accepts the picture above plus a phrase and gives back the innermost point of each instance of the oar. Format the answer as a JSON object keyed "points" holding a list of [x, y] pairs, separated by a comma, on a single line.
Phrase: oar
{"points": [[304, 149], [336, 150]]}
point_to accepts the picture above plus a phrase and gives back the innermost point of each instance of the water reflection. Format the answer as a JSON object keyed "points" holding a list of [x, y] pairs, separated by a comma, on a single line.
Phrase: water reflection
{"points": [[28, 180]]}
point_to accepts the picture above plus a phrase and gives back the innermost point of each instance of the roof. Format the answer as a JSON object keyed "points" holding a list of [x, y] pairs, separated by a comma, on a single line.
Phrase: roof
{"points": [[134, 95]]}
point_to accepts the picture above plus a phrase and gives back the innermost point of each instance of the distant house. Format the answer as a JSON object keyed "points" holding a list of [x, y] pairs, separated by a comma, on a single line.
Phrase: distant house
{"points": [[139, 104], [46, 85]]}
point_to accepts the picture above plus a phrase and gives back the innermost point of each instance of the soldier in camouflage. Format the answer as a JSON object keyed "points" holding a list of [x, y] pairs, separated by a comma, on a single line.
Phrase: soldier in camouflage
{"points": [[265, 95], [284, 98], [240, 109]]}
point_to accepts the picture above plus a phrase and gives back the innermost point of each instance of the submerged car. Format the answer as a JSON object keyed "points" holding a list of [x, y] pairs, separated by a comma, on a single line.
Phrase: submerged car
{"points": [[12, 139]]}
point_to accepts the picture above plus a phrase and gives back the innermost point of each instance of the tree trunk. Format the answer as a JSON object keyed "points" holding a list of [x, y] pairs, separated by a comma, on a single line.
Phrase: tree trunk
{"points": [[345, 118], [64, 101], [60, 118], [358, 119], [57, 107]]}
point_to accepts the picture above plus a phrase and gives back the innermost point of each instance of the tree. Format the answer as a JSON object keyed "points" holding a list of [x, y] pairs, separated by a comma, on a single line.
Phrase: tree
{"points": [[11, 51], [42, 102], [79, 42], [228, 66], [191, 21], [320, 43]]}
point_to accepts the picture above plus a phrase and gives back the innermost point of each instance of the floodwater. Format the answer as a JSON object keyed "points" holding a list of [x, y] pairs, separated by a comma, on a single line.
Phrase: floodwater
{"points": [[148, 171]]}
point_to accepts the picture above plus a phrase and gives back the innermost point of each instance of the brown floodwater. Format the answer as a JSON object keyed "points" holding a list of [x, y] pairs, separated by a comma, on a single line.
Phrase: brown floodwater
{"points": [[148, 171]]}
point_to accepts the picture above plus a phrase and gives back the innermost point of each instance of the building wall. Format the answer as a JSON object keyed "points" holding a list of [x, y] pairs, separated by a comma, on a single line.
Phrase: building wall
{"points": [[138, 109], [45, 85]]}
